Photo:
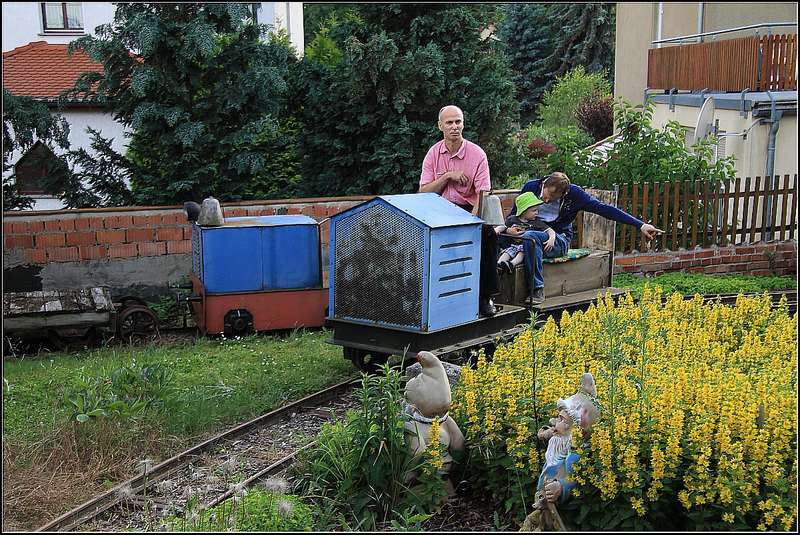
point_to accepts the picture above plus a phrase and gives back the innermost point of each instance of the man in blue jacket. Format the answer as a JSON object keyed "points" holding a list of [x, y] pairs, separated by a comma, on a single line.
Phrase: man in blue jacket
{"points": [[562, 202]]}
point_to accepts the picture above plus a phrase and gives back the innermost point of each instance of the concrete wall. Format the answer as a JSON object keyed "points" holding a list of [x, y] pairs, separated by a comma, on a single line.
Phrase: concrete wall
{"points": [[636, 28]]}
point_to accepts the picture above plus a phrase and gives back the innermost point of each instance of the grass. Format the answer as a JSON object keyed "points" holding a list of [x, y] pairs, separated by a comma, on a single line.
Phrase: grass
{"points": [[692, 283], [215, 382], [52, 463]]}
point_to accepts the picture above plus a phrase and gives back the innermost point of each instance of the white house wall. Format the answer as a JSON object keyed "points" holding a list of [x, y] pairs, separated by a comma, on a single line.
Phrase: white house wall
{"points": [[22, 22], [750, 153]]}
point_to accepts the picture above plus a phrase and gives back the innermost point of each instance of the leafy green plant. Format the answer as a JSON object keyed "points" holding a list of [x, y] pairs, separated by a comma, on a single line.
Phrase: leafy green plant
{"points": [[358, 473], [253, 510], [126, 393], [560, 103], [536, 162], [647, 153], [697, 283]]}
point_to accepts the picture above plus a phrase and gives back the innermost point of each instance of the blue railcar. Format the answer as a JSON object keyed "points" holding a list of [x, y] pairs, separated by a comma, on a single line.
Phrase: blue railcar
{"points": [[408, 262], [251, 254]]}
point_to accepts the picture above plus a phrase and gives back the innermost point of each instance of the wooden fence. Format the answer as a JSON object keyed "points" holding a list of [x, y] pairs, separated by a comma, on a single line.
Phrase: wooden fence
{"points": [[701, 213], [760, 63]]}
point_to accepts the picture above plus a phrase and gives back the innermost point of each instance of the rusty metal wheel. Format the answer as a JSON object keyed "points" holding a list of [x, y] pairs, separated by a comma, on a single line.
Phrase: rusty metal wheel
{"points": [[136, 320]]}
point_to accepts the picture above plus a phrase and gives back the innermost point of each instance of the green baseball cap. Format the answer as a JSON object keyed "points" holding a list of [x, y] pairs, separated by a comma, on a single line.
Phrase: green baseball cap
{"points": [[526, 200]]}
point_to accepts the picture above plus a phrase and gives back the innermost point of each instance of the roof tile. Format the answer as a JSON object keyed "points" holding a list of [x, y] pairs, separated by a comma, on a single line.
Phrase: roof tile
{"points": [[43, 70]]}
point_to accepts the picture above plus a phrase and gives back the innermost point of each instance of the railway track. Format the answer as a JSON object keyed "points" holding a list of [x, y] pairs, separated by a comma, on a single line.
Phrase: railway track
{"points": [[215, 469], [209, 472]]}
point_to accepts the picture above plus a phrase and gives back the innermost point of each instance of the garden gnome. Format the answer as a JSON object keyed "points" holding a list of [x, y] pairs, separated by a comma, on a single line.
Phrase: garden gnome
{"points": [[554, 487], [210, 213], [428, 397]]}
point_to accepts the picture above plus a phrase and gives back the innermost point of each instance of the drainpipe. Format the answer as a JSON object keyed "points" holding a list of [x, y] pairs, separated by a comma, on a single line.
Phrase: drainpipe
{"points": [[700, 10], [774, 120], [659, 23]]}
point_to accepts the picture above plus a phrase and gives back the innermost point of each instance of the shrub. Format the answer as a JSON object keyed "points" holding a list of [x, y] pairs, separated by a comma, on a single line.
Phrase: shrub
{"points": [[595, 115], [698, 426], [560, 103], [356, 473], [647, 153], [545, 149]]}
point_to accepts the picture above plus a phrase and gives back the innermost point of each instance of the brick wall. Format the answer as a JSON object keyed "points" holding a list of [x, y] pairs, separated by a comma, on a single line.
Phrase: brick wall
{"points": [[65, 248], [753, 259]]}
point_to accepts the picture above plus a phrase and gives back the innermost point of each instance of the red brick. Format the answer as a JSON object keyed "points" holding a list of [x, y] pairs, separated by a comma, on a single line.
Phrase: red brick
{"points": [[686, 256], [63, 254], [67, 225], [81, 238], [19, 242], [715, 260], [7, 226], [727, 259], [187, 232], [758, 265], [173, 218], [127, 250], [251, 211], [140, 221], [36, 256], [119, 221], [294, 210], [169, 234], [50, 240], [745, 250], [625, 261], [761, 272], [110, 237], [178, 247], [699, 269], [717, 269], [650, 268], [96, 222], [82, 223], [152, 249], [631, 269], [21, 227], [52, 224], [735, 268], [703, 254], [139, 234], [96, 252]]}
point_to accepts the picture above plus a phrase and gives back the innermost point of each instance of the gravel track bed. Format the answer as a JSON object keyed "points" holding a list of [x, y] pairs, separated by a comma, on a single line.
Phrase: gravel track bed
{"points": [[213, 473]]}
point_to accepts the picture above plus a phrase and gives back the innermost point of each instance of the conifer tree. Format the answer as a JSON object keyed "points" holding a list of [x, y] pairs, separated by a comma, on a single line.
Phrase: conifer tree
{"points": [[371, 116], [199, 90], [544, 41]]}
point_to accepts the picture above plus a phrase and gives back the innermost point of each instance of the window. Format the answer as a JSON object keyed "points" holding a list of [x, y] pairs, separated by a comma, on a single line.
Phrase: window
{"points": [[61, 16], [36, 165]]}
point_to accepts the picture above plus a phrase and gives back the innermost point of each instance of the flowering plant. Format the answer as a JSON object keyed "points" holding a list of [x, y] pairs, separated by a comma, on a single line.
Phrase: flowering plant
{"points": [[698, 425]]}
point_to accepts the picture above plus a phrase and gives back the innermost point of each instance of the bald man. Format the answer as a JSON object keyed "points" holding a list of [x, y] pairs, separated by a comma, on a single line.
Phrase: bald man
{"points": [[458, 170]]}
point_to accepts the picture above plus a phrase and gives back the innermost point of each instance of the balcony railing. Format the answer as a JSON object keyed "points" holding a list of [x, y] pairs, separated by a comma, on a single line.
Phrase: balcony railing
{"points": [[757, 63]]}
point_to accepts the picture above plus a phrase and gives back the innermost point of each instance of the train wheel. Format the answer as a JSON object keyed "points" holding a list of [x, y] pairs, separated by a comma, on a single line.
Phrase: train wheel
{"points": [[366, 361], [136, 320]]}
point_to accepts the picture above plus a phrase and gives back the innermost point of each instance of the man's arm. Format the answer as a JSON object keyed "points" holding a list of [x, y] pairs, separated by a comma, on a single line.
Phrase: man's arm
{"points": [[614, 213], [437, 185]]}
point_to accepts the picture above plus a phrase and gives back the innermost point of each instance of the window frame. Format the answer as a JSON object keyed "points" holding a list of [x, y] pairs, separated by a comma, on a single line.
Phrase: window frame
{"points": [[65, 28]]}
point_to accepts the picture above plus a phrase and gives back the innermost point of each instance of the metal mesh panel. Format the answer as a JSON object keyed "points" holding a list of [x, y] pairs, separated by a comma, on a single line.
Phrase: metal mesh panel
{"points": [[197, 252], [378, 268]]}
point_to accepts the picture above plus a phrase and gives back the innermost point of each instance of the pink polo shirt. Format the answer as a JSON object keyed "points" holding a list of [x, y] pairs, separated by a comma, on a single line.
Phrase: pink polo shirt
{"points": [[470, 159]]}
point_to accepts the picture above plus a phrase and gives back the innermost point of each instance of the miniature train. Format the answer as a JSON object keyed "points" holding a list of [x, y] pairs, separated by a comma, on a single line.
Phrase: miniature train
{"points": [[403, 272]]}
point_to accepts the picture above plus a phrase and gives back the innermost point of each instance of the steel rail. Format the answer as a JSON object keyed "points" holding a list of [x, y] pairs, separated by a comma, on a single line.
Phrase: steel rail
{"points": [[99, 504]]}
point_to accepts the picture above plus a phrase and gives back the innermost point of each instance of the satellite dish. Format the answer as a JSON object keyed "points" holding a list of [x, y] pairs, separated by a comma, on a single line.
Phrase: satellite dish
{"points": [[705, 121]]}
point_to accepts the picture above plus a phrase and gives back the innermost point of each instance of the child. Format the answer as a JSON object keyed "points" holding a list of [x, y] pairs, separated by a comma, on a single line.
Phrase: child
{"points": [[526, 219]]}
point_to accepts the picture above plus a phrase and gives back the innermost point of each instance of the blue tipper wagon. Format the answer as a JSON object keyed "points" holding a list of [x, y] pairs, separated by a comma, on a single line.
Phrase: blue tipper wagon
{"points": [[404, 277]]}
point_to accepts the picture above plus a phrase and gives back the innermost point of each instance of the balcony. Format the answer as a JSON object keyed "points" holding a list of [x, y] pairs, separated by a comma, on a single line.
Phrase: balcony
{"points": [[755, 63]]}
